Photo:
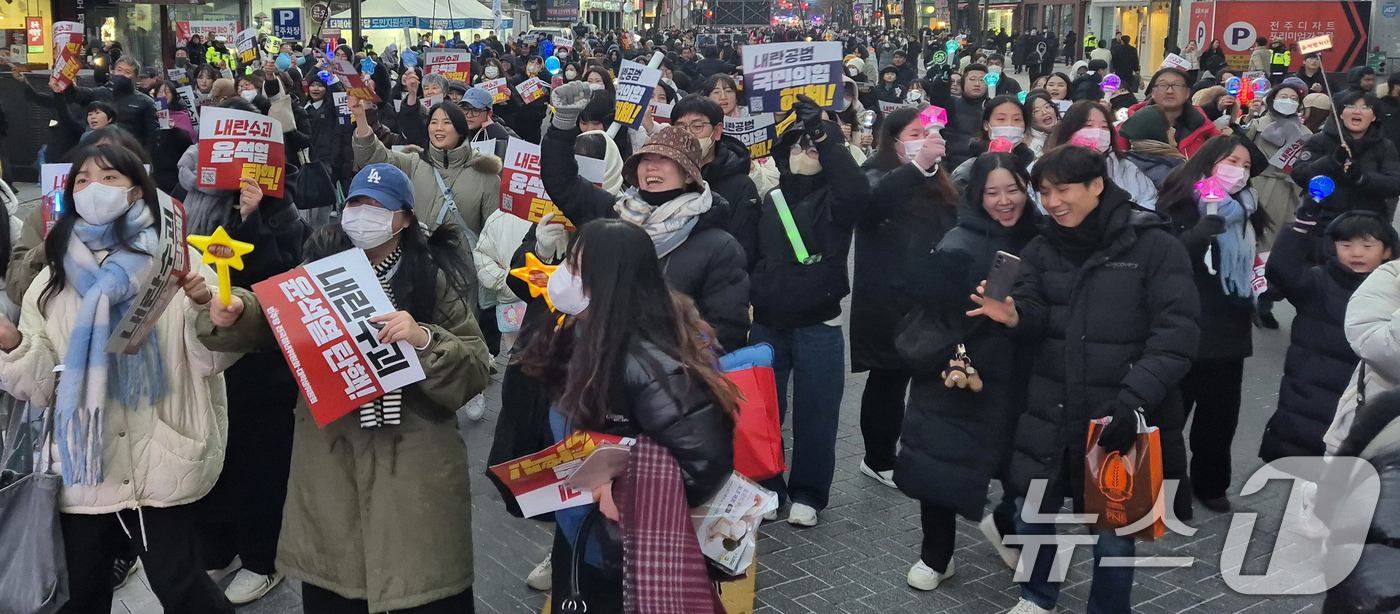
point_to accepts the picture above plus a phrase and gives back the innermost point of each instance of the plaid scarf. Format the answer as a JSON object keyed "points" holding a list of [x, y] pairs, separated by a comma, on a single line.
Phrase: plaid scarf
{"points": [[664, 571], [384, 410]]}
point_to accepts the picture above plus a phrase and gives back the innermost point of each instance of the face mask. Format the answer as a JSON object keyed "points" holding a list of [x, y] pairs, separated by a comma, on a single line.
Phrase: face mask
{"points": [[911, 149], [491, 71], [595, 86], [707, 145], [368, 226], [571, 74], [1232, 178], [284, 61], [532, 69], [1093, 138], [1005, 132], [99, 204], [182, 62], [566, 291], [852, 71], [1286, 106], [248, 95], [802, 164], [122, 83]]}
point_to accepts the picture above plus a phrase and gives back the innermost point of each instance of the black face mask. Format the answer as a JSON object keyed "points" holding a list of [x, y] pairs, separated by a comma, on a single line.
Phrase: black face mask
{"points": [[656, 199], [122, 84]]}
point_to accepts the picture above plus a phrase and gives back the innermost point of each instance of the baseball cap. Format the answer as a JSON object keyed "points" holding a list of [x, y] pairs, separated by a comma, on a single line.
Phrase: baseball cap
{"points": [[384, 183], [149, 73], [477, 98]]}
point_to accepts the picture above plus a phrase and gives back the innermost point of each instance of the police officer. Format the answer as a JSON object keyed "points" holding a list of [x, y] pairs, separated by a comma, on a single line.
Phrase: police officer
{"points": [[1279, 59]]}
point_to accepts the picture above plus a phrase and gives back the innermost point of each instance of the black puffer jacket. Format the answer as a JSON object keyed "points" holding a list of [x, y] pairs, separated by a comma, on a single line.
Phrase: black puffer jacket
{"points": [[1371, 184], [964, 118], [787, 293], [709, 266], [136, 112], [1227, 322], [330, 140], [904, 213], [1371, 588], [728, 176], [1121, 327], [1320, 363], [954, 441]]}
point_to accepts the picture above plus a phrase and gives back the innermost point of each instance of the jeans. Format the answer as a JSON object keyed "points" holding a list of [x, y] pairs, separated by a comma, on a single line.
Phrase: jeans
{"points": [[1111, 591], [814, 357]]}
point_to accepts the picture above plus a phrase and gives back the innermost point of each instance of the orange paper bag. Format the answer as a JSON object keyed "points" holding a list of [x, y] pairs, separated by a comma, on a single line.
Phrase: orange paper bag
{"points": [[1124, 489]]}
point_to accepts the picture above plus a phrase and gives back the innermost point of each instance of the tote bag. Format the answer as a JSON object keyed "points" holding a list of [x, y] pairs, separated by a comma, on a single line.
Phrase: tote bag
{"points": [[758, 437], [34, 571]]}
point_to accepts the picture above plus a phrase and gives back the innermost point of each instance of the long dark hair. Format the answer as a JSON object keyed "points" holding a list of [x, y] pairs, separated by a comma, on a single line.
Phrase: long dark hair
{"points": [[608, 84], [983, 166], [107, 157], [1179, 188], [888, 155], [1076, 118], [629, 301]]}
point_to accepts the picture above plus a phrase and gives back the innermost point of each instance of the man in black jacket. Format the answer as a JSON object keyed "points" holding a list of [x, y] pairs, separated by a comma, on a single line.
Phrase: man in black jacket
{"points": [[1125, 62], [725, 165], [904, 69], [136, 112], [965, 114], [712, 64], [1107, 298]]}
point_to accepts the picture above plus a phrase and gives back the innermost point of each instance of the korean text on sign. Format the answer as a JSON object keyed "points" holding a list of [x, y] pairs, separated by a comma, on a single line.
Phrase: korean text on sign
{"points": [[776, 74], [530, 90], [634, 85], [538, 481], [248, 46], [67, 47], [450, 64], [522, 192], [319, 314], [757, 132], [235, 144], [355, 84], [498, 88]]}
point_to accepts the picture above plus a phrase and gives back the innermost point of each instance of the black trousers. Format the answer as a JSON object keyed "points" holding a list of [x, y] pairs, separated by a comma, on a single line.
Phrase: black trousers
{"points": [[940, 531], [599, 589], [1212, 390], [486, 318], [317, 600], [253, 539], [171, 556], [882, 415]]}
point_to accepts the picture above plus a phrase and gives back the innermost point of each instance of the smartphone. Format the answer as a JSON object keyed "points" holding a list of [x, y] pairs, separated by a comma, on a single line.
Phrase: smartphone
{"points": [[1005, 268]]}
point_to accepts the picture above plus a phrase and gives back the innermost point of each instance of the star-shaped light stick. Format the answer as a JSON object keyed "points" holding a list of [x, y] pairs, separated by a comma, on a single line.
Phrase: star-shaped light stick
{"points": [[221, 250], [536, 274]]}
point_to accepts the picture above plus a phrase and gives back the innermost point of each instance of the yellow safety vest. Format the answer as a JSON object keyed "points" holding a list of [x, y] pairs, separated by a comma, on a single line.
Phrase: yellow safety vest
{"points": [[1091, 41], [1284, 58]]}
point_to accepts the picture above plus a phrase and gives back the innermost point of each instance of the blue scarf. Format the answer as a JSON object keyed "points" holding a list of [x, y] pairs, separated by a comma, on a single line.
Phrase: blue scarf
{"points": [[107, 289], [1236, 244]]}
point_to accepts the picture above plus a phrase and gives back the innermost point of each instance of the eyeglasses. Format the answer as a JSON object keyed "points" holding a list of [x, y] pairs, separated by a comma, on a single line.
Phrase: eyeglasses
{"points": [[1167, 87], [697, 127], [470, 112], [972, 79]]}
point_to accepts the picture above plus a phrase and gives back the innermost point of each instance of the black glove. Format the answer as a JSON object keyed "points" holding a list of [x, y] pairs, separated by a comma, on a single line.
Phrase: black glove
{"points": [[1120, 433], [1210, 225], [809, 114], [1307, 213]]}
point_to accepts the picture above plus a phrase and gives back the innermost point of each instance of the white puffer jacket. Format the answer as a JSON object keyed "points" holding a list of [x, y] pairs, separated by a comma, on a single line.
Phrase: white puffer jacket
{"points": [[153, 456], [500, 237], [1374, 334]]}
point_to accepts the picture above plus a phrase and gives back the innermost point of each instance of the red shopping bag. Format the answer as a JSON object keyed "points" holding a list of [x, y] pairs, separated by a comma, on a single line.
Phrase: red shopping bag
{"points": [[758, 439], [1126, 489]]}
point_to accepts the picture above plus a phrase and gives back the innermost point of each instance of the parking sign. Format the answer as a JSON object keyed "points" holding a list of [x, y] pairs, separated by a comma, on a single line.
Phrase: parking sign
{"points": [[286, 24]]}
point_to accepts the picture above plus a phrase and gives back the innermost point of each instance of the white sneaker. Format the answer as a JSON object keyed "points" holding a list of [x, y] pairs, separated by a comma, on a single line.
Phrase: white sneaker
{"points": [[476, 408], [248, 587], [219, 574], [1010, 556], [541, 578], [883, 477], [924, 578], [1308, 523], [1027, 607], [771, 516], [802, 515]]}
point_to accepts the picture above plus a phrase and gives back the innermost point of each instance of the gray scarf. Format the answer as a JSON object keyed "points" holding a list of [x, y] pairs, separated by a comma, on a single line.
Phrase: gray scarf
{"points": [[1282, 130], [668, 225]]}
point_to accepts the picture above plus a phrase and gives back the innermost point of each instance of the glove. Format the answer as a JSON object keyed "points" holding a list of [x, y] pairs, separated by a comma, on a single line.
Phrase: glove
{"points": [[932, 152], [1307, 214], [1211, 225], [551, 240], [568, 101], [1120, 433], [809, 114]]}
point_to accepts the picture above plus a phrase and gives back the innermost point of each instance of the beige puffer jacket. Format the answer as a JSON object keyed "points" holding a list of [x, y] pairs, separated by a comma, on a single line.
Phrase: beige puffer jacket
{"points": [[474, 178]]}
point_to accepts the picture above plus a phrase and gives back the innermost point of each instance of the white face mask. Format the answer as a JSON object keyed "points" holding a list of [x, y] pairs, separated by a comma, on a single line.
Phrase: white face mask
{"points": [[1010, 133], [570, 74], [566, 291], [99, 204], [707, 145], [911, 149], [1098, 136], [1286, 106], [802, 164], [490, 71], [368, 226], [249, 95], [595, 86], [1232, 178]]}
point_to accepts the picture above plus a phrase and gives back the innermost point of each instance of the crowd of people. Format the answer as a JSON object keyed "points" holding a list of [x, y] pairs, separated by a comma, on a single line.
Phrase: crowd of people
{"points": [[1141, 219]]}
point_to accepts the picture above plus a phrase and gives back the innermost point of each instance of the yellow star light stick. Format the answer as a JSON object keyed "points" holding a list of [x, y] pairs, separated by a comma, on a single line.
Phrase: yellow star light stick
{"points": [[223, 252], [536, 275]]}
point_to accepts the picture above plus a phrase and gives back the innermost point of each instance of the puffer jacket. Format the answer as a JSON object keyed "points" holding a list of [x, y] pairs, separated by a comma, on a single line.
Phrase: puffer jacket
{"points": [[1121, 327], [728, 176], [330, 140], [1370, 588], [474, 178], [499, 239], [159, 455], [1319, 364], [964, 118], [1372, 183], [1372, 331]]}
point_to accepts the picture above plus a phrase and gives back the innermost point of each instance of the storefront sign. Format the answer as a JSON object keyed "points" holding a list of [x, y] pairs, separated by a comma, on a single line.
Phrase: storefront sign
{"points": [[35, 29], [776, 73], [320, 11], [286, 24], [561, 9], [634, 85], [234, 144], [1237, 23], [208, 29]]}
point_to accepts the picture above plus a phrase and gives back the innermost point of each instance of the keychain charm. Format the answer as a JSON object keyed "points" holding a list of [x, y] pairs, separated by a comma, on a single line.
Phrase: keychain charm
{"points": [[961, 373]]}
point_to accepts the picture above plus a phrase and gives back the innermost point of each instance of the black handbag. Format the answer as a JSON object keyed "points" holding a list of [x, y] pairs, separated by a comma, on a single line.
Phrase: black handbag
{"points": [[315, 186]]}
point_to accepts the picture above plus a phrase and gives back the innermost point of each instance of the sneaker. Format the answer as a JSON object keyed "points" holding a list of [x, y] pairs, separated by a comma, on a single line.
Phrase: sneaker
{"points": [[771, 516], [123, 570], [248, 586], [219, 574], [802, 515], [1308, 523], [541, 578], [883, 477], [476, 408], [924, 578], [1009, 555], [1027, 607]]}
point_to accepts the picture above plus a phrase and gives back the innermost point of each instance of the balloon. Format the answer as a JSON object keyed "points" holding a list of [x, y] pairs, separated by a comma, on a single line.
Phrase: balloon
{"points": [[1111, 83], [1321, 187], [1232, 87], [992, 79], [1261, 85], [552, 65], [1022, 97], [951, 47]]}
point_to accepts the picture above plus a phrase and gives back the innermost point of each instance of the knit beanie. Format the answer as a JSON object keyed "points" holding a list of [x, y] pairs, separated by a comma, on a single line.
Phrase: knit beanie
{"points": [[1146, 124]]}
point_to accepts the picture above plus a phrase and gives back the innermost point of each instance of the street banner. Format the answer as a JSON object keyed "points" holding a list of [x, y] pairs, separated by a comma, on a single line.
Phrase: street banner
{"points": [[67, 49], [1202, 24], [208, 29], [1309, 24], [34, 35], [178, 75], [538, 481], [522, 192], [776, 73], [530, 89], [757, 132], [162, 282], [661, 113], [498, 88], [355, 85], [247, 49], [634, 85], [319, 314], [452, 64], [234, 144]]}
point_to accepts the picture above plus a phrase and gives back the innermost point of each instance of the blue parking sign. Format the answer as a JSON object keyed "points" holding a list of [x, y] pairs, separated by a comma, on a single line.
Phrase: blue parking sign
{"points": [[286, 24]]}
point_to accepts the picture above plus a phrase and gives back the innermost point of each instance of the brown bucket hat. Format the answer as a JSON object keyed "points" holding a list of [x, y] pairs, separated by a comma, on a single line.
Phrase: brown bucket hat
{"points": [[673, 142]]}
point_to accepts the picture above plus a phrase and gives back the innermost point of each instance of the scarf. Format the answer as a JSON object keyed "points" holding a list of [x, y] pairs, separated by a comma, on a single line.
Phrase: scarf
{"points": [[669, 224], [664, 571], [106, 288], [1281, 131], [1077, 244], [1236, 270], [385, 409]]}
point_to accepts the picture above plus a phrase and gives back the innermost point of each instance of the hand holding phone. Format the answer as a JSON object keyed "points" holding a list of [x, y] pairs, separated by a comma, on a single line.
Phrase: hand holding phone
{"points": [[1002, 276]]}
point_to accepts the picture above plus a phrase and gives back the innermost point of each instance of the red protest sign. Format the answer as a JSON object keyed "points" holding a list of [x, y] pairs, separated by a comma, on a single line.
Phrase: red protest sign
{"points": [[235, 144], [67, 45], [538, 481], [320, 314], [530, 89], [355, 84], [452, 64], [498, 88]]}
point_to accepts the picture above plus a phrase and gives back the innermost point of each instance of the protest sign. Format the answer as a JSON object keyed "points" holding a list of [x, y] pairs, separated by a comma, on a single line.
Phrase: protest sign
{"points": [[186, 94], [634, 85], [162, 114], [178, 75], [538, 480], [234, 144], [889, 107], [247, 49], [349, 74], [776, 73], [172, 261], [67, 47], [1315, 44], [1284, 157], [757, 132], [208, 29], [452, 64], [342, 107], [319, 314], [522, 192], [560, 41], [1175, 61], [530, 89], [661, 113], [498, 88]]}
